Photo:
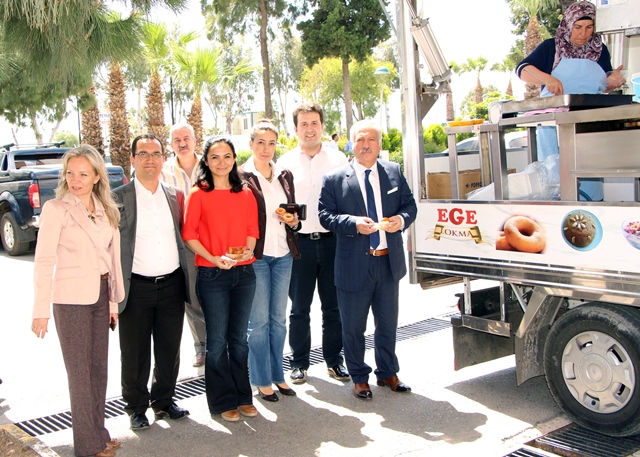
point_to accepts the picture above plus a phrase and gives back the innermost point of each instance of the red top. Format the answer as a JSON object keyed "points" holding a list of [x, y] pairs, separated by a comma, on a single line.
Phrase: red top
{"points": [[219, 219]]}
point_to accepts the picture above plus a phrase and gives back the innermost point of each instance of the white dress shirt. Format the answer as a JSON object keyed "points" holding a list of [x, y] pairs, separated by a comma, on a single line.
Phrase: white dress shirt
{"points": [[307, 179], [275, 242], [156, 251], [374, 179]]}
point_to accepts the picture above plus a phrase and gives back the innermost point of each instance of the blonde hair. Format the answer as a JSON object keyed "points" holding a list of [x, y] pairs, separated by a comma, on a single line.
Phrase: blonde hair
{"points": [[101, 189]]}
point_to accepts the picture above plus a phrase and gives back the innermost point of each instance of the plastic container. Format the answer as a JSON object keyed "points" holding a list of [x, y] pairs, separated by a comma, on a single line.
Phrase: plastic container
{"points": [[635, 80]]}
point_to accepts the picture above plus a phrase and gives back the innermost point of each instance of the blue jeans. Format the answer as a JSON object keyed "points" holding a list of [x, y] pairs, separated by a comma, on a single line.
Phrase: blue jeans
{"points": [[225, 297], [316, 263], [268, 321]]}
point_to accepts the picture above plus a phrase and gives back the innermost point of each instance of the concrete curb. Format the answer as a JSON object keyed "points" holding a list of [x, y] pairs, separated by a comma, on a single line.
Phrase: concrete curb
{"points": [[27, 440]]}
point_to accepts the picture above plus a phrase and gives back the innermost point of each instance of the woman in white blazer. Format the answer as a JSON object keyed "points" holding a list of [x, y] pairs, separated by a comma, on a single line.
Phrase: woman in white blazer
{"points": [[77, 268]]}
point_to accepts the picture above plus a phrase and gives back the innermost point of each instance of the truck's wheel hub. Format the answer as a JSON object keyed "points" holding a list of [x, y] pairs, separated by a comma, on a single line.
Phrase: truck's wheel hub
{"points": [[7, 233], [598, 371]]}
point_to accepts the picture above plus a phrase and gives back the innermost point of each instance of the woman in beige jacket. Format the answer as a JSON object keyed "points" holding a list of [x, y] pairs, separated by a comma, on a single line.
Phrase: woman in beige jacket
{"points": [[77, 268]]}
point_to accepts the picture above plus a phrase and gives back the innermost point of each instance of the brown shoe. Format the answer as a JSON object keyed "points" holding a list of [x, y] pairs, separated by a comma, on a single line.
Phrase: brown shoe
{"points": [[114, 444], [248, 410], [395, 384], [363, 391], [105, 453], [199, 358], [231, 416]]}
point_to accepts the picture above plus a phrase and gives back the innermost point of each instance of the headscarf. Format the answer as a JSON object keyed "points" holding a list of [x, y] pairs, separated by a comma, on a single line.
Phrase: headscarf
{"points": [[564, 48]]}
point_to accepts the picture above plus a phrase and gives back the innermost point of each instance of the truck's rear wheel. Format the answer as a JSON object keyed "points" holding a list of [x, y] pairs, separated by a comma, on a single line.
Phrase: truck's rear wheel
{"points": [[12, 245], [592, 364]]}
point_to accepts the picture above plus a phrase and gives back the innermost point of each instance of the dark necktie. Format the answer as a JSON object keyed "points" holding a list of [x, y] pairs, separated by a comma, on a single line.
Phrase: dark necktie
{"points": [[374, 238]]}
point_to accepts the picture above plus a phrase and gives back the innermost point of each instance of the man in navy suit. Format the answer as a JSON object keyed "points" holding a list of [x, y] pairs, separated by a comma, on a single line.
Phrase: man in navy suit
{"points": [[368, 204]]}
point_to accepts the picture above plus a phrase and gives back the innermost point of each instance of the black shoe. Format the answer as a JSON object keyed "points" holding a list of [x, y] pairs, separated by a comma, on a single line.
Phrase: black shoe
{"points": [[339, 372], [298, 375], [272, 397], [286, 391], [138, 421], [172, 411]]}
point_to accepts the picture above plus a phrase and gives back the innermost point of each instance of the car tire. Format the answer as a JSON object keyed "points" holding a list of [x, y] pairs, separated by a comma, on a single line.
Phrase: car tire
{"points": [[592, 366], [10, 242]]}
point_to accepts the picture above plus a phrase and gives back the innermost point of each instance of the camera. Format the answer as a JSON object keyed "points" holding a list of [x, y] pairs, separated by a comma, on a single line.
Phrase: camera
{"points": [[295, 208]]}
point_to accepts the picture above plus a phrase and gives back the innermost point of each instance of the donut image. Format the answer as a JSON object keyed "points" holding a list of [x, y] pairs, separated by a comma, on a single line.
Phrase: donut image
{"points": [[579, 229], [502, 244], [287, 217], [281, 211], [384, 222], [524, 234]]}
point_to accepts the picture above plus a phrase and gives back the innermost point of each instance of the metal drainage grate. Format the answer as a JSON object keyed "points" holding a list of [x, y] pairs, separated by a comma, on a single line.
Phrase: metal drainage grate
{"points": [[194, 387], [576, 441]]}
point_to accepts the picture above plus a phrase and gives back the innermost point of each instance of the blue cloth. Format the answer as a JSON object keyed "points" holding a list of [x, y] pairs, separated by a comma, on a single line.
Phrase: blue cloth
{"points": [[543, 56], [316, 263], [226, 297], [348, 147], [578, 76], [268, 321], [374, 238]]}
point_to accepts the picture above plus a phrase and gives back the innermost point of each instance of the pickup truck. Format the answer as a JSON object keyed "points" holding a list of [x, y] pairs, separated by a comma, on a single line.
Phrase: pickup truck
{"points": [[28, 178]]}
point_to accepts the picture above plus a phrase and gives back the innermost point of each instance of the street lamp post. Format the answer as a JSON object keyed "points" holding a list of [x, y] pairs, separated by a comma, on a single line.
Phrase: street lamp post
{"points": [[382, 72]]}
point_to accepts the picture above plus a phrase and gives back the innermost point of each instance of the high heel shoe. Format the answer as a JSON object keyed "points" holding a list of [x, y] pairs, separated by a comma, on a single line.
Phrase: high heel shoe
{"points": [[268, 397], [286, 391]]}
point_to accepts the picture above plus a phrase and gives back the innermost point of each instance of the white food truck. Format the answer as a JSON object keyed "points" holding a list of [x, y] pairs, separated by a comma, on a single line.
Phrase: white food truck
{"points": [[567, 271]]}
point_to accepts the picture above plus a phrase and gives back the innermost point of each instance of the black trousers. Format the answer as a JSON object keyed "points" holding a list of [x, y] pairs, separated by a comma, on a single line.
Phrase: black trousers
{"points": [[154, 310]]}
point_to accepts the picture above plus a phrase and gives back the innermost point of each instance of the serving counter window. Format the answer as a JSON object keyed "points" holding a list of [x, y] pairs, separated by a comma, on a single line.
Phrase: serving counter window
{"points": [[592, 154]]}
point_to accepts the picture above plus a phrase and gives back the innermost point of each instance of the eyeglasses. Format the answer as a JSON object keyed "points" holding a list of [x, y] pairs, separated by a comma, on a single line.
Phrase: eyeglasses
{"points": [[154, 155]]}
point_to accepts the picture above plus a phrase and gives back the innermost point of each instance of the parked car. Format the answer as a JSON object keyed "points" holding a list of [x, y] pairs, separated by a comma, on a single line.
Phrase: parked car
{"points": [[513, 140], [28, 178]]}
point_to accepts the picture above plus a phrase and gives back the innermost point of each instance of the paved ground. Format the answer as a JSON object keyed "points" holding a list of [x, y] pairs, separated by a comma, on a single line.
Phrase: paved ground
{"points": [[477, 411]]}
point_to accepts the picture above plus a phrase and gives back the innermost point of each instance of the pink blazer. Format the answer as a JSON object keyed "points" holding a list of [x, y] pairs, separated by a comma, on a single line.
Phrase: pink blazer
{"points": [[66, 267]]}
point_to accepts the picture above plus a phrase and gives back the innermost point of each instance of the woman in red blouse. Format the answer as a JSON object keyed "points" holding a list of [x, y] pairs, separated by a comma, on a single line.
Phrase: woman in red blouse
{"points": [[221, 214]]}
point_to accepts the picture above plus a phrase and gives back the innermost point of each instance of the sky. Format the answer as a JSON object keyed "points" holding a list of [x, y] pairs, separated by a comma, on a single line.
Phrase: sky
{"points": [[463, 28]]}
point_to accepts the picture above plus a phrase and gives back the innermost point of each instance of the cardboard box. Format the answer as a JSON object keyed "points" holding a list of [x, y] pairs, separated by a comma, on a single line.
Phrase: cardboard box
{"points": [[439, 184]]}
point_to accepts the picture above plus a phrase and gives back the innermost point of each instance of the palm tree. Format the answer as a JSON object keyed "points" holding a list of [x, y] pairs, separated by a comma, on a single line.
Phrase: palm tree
{"points": [[156, 50], [506, 66], [236, 79], [91, 129], [477, 66], [196, 70], [533, 36], [455, 68], [119, 133]]}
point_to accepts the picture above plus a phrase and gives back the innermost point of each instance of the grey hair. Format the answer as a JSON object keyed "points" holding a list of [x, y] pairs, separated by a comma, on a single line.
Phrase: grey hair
{"points": [[365, 124]]}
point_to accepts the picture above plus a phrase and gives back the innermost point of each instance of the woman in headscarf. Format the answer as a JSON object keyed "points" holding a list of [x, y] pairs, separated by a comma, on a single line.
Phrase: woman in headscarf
{"points": [[576, 61]]}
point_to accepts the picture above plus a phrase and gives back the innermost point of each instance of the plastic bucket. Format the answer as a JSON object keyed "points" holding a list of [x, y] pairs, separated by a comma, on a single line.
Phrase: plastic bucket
{"points": [[635, 80]]}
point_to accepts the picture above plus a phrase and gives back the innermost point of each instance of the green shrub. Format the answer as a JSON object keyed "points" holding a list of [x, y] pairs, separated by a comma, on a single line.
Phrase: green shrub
{"points": [[392, 141], [242, 156], [397, 157]]}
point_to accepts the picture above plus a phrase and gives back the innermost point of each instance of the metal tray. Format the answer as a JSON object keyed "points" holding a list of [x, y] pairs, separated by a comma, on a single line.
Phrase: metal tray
{"points": [[572, 101]]}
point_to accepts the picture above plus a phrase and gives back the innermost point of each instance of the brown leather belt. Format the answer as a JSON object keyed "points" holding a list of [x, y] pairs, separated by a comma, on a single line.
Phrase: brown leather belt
{"points": [[379, 252], [104, 277]]}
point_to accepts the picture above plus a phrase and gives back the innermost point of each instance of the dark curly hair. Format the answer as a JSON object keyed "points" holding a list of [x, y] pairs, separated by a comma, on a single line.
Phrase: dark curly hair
{"points": [[204, 177]]}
